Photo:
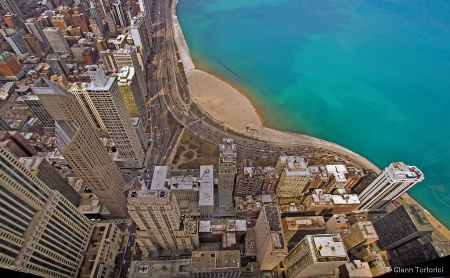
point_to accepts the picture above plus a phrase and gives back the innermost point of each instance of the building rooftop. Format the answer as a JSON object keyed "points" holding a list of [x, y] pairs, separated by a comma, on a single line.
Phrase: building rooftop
{"points": [[206, 196], [159, 179], [338, 171], [367, 230], [328, 247], [158, 269], [305, 223], [345, 199], [216, 259], [273, 217], [399, 171]]}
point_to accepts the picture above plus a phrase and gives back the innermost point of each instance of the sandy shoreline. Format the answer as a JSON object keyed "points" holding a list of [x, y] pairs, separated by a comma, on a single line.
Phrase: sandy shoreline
{"points": [[231, 107]]}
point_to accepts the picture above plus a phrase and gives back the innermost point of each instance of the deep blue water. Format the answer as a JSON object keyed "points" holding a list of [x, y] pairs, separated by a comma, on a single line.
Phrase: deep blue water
{"points": [[373, 76]]}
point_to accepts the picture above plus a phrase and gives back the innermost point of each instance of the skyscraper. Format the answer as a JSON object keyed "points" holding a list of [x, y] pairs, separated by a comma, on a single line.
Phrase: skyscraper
{"points": [[78, 143], [271, 246], [35, 27], [389, 185], [59, 67], [41, 231], [315, 255], [140, 36], [33, 45], [132, 94], [10, 68], [105, 95], [39, 111], [404, 224], [16, 42], [42, 169], [11, 7], [56, 39], [79, 91], [120, 14], [361, 233], [128, 57], [161, 228], [227, 172]]}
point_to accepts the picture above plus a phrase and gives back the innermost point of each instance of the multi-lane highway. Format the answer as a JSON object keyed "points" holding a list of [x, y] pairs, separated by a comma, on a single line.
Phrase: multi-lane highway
{"points": [[169, 99]]}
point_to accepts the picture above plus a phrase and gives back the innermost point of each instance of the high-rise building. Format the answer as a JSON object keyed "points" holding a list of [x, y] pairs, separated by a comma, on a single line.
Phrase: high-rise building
{"points": [[42, 232], [338, 224], [103, 249], [11, 7], [322, 203], [122, 19], [296, 228], [42, 169], [128, 57], [56, 39], [160, 225], [13, 21], [140, 36], [360, 233], [222, 263], [15, 40], [389, 185], [17, 144], [421, 249], [35, 27], [80, 20], [33, 45], [79, 91], [227, 172], [271, 246], [294, 176], [35, 105], [315, 255], [60, 21], [105, 95], [132, 94], [77, 141], [68, 13], [4, 126], [10, 68], [107, 60], [59, 67], [405, 223]]}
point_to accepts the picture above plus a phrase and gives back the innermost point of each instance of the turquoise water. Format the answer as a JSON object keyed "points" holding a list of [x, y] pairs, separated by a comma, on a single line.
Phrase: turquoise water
{"points": [[373, 76]]}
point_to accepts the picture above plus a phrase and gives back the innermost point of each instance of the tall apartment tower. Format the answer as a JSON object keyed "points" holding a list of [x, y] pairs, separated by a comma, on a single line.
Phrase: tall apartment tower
{"points": [[42, 232], [119, 11], [35, 105], [132, 94], [42, 169], [80, 20], [11, 7], [128, 57], [315, 255], [79, 90], [13, 21], [35, 27], [227, 172], [105, 95], [271, 246], [80, 146], [16, 42], [140, 36], [60, 21], [158, 219], [10, 68], [56, 39], [146, 15], [389, 185], [404, 224]]}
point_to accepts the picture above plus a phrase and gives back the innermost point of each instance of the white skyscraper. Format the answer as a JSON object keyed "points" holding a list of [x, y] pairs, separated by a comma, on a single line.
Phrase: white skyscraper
{"points": [[389, 185]]}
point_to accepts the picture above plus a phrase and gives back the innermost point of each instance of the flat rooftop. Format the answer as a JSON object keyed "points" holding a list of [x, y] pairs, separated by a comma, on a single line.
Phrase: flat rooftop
{"points": [[305, 223], [169, 268], [328, 246], [216, 259], [273, 217], [206, 195]]}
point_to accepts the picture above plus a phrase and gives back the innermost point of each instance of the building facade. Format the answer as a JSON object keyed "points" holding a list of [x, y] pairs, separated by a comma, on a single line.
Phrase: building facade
{"points": [[389, 185], [56, 39], [227, 172], [42, 232]]}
